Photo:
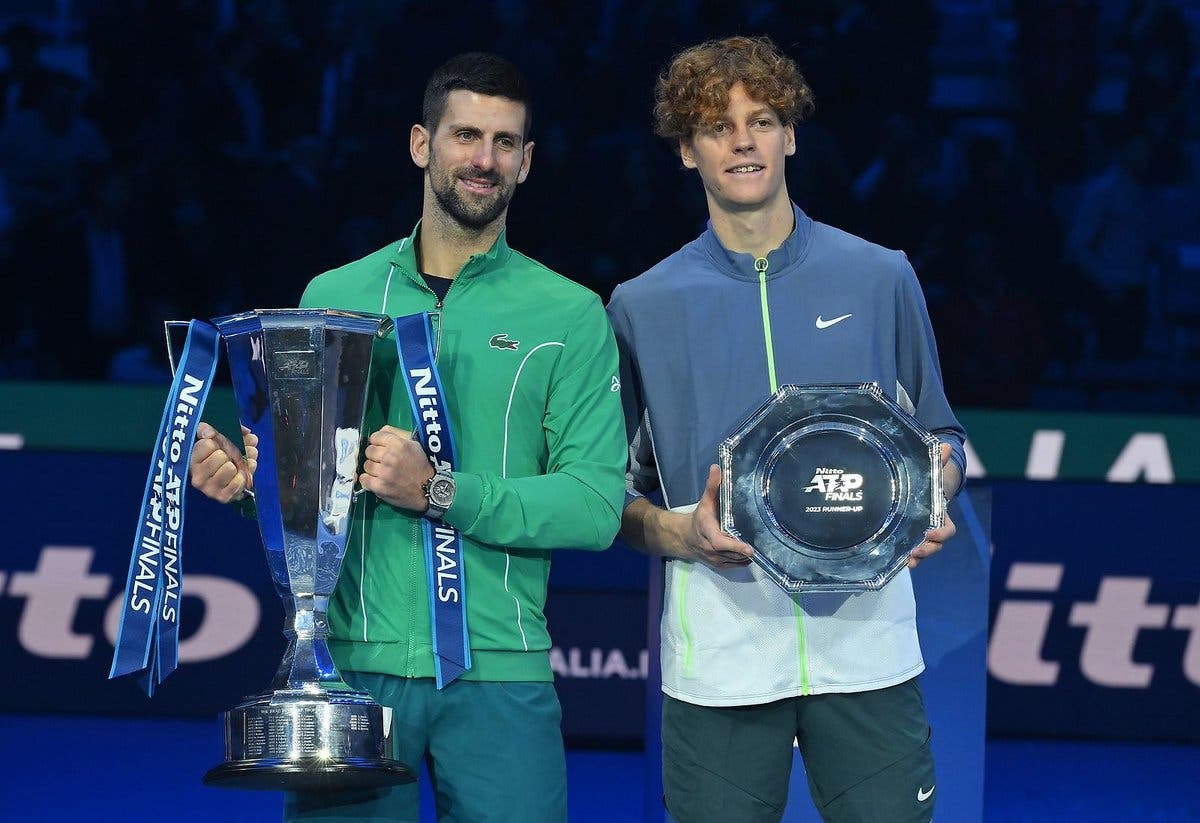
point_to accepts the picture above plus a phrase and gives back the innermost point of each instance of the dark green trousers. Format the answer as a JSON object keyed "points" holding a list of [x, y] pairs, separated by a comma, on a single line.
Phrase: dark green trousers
{"points": [[867, 756], [494, 753]]}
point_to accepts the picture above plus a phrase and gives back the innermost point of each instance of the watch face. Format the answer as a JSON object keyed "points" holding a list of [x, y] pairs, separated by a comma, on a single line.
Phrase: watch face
{"points": [[441, 491]]}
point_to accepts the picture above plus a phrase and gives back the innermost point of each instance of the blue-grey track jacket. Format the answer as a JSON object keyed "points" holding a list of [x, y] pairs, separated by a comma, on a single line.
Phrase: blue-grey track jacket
{"points": [[705, 336]]}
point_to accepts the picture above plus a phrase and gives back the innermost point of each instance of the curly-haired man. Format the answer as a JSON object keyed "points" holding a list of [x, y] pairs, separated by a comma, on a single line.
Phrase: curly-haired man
{"points": [[767, 296]]}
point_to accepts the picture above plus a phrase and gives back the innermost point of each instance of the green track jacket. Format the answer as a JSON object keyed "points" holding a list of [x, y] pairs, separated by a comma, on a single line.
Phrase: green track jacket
{"points": [[529, 367]]}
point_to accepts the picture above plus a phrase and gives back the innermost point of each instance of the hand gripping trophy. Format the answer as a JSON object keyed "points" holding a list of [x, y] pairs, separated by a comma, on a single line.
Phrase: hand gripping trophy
{"points": [[300, 380]]}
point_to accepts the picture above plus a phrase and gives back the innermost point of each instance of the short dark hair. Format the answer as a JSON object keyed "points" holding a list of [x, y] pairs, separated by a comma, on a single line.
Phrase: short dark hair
{"points": [[476, 71]]}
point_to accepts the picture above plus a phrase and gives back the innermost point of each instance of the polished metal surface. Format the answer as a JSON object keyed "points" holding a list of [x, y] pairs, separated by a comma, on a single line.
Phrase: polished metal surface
{"points": [[296, 740], [833, 486], [300, 380]]}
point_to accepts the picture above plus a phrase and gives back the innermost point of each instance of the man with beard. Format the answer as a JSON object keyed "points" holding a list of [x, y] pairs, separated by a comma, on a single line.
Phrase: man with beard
{"points": [[529, 366]]}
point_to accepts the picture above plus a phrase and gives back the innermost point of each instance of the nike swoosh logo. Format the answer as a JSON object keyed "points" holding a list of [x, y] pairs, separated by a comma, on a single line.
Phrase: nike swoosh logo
{"points": [[923, 795], [824, 324]]}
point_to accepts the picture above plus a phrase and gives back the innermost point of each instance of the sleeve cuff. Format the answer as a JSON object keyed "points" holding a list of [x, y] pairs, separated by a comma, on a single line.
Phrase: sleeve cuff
{"points": [[468, 500], [959, 458]]}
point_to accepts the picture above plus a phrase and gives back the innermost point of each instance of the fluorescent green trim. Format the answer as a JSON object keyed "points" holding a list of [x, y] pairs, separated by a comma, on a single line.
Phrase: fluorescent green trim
{"points": [[760, 266], [680, 606], [805, 687]]}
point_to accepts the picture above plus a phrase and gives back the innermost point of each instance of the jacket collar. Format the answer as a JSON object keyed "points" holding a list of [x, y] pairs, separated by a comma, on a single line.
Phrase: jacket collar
{"points": [[404, 256], [779, 261]]}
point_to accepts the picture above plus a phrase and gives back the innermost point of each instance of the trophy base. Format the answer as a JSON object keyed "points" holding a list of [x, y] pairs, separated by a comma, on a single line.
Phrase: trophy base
{"points": [[316, 775], [308, 739]]}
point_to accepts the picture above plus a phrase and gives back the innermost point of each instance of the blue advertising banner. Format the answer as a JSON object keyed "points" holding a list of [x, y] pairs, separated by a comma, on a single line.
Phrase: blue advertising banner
{"points": [[69, 519], [63, 556], [1095, 608], [1095, 612]]}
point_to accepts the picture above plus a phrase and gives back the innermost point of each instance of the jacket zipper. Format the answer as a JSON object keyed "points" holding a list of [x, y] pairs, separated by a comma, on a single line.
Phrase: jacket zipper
{"points": [[414, 558], [761, 264], [436, 315], [419, 540], [419, 537], [437, 319], [417, 530]]}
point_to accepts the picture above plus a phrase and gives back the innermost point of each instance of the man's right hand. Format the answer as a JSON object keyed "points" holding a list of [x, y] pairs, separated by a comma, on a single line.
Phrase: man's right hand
{"points": [[695, 535], [704, 539], [218, 468]]}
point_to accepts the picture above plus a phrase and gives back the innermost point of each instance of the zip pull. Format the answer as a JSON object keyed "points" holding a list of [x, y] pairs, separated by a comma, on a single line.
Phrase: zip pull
{"points": [[760, 266], [435, 317]]}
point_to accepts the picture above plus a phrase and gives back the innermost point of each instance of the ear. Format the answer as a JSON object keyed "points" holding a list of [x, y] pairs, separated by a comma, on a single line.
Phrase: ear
{"points": [[686, 154], [789, 139], [526, 159], [418, 146]]}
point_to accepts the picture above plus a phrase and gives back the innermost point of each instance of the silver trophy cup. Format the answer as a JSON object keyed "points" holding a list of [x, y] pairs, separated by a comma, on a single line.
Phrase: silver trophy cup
{"points": [[300, 380]]}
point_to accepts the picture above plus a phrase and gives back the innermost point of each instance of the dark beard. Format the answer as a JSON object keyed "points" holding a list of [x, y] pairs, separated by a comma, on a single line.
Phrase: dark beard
{"points": [[455, 204]]}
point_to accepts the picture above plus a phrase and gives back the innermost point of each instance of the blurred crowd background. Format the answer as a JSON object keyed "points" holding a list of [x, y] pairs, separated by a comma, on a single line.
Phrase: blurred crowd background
{"points": [[1038, 160]]}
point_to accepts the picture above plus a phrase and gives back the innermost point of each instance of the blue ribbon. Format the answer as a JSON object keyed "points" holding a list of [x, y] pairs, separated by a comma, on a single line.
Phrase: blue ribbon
{"points": [[443, 542], [148, 637]]}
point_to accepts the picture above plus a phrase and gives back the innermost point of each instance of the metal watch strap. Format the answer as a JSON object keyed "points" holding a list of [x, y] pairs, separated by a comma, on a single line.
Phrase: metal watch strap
{"points": [[435, 511]]}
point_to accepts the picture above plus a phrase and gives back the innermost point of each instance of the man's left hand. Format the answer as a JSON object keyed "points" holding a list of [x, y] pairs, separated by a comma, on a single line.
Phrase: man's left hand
{"points": [[396, 469], [935, 538]]}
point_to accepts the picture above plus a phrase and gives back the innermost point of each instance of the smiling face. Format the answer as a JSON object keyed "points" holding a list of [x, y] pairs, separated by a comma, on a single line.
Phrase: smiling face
{"points": [[474, 158], [740, 155]]}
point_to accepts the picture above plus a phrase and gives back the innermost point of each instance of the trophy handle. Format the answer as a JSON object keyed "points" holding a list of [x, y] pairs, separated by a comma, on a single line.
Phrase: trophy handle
{"points": [[167, 326]]}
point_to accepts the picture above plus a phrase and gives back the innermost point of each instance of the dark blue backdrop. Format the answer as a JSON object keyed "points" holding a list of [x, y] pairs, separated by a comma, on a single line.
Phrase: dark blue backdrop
{"points": [[1136, 545], [72, 517]]}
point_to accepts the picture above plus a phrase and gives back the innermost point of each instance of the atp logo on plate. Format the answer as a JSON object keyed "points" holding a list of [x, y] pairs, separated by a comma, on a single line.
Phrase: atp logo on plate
{"points": [[836, 484]]}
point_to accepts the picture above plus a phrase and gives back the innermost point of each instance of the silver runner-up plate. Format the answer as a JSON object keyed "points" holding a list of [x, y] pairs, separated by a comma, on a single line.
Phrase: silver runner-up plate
{"points": [[833, 486]]}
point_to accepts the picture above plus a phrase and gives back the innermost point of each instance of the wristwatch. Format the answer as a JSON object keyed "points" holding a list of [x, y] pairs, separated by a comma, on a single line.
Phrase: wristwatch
{"points": [[439, 493]]}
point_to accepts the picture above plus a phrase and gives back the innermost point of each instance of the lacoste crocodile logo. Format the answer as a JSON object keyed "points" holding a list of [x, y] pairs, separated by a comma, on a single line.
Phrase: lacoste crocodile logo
{"points": [[501, 341]]}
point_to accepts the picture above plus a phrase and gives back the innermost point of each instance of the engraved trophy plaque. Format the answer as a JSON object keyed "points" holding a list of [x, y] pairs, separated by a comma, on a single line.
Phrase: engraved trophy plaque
{"points": [[833, 486], [300, 381]]}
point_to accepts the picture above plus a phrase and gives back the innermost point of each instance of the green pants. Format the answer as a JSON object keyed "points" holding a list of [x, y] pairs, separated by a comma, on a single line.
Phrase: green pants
{"points": [[867, 757], [494, 752]]}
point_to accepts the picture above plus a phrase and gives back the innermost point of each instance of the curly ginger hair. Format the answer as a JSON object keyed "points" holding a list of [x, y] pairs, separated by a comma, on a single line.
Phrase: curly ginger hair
{"points": [[694, 88]]}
